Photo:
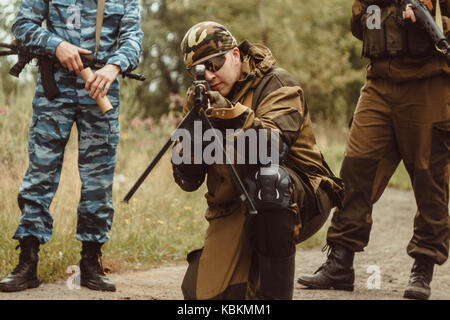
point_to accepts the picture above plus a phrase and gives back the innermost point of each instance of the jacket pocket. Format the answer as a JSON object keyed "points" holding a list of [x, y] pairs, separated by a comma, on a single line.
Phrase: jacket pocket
{"points": [[114, 11]]}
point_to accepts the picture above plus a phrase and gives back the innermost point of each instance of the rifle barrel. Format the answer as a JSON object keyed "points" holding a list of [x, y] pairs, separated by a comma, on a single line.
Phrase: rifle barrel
{"points": [[147, 171], [7, 53], [9, 46], [187, 119]]}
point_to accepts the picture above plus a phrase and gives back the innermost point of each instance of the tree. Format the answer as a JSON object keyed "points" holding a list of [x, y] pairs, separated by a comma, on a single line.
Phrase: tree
{"points": [[311, 40]]}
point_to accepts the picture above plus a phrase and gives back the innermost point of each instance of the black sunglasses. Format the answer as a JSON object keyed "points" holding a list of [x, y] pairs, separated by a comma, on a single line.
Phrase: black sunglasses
{"points": [[212, 64]]}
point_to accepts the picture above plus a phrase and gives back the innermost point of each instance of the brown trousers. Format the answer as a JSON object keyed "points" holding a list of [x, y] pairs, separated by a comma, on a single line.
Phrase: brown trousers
{"points": [[407, 121]]}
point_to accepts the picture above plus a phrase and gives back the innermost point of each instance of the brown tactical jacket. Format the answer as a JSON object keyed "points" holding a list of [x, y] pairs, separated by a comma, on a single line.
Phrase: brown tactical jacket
{"points": [[403, 68], [269, 97]]}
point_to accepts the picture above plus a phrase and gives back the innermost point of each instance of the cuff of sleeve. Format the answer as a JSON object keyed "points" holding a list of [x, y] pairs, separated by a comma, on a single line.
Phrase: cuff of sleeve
{"points": [[119, 60], [52, 43], [227, 113]]}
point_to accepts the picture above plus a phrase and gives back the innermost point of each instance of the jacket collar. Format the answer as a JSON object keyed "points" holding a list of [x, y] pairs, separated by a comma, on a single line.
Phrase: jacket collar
{"points": [[257, 60]]}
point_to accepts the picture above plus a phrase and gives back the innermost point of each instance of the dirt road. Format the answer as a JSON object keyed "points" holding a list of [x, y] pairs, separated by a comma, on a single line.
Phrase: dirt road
{"points": [[385, 256]]}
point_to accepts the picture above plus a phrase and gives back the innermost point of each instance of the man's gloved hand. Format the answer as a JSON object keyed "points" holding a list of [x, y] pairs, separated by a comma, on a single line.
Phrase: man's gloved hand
{"points": [[218, 101], [189, 176], [190, 98]]}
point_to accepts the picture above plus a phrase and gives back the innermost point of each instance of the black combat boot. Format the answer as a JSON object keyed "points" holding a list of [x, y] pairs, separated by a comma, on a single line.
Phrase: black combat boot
{"points": [[419, 281], [276, 278], [91, 269], [337, 272], [24, 276]]}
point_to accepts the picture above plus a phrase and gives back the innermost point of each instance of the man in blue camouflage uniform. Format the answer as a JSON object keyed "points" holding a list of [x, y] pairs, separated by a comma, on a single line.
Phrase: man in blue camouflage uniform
{"points": [[70, 31]]}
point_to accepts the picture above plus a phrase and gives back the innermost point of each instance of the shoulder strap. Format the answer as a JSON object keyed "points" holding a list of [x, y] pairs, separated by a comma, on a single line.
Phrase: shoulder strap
{"points": [[99, 23], [439, 16]]}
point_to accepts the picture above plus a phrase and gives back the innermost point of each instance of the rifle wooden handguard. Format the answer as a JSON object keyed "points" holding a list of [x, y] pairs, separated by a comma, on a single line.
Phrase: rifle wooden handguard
{"points": [[102, 102]]}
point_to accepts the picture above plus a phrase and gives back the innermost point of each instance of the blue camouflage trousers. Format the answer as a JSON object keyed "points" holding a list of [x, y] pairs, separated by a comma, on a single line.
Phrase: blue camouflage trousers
{"points": [[98, 136]]}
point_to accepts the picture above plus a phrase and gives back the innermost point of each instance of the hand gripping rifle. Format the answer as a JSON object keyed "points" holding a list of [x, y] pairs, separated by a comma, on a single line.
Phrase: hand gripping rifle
{"points": [[201, 102], [46, 64], [424, 16]]}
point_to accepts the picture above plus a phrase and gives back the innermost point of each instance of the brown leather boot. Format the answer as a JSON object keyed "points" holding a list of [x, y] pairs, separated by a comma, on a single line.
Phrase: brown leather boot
{"points": [[337, 272], [419, 281]]}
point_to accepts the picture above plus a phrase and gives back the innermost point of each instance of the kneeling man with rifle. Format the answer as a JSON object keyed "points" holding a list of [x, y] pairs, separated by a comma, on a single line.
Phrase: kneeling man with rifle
{"points": [[249, 250]]}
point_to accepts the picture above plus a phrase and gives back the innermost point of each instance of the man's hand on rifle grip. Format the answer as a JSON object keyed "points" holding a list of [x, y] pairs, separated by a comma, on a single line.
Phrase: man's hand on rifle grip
{"points": [[69, 56]]}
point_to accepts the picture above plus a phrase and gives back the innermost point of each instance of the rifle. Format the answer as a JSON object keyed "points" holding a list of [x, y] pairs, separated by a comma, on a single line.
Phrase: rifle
{"points": [[46, 65], [424, 16], [201, 102]]}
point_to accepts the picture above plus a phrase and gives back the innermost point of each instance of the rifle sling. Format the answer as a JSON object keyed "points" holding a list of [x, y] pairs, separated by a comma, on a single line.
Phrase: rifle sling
{"points": [[99, 23]]}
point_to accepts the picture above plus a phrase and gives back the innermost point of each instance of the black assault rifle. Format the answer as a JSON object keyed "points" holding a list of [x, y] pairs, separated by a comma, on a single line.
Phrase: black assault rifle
{"points": [[425, 18], [201, 102], [46, 65]]}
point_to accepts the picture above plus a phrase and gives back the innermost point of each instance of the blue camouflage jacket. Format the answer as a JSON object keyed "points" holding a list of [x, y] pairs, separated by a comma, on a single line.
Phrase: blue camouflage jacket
{"points": [[75, 21]]}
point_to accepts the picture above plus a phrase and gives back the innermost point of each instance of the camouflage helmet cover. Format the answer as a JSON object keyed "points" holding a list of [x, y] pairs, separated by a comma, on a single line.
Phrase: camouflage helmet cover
{"points": [[205, 40]]}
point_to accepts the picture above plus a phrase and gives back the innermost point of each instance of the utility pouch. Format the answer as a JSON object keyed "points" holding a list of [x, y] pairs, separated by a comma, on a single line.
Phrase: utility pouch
{"points": [[395, 35], [48, 78], [388, 39], [419, 42]]}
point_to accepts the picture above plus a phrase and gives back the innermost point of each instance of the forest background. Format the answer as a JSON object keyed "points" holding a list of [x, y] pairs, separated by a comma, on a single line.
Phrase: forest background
{"points": [[310, 39]]}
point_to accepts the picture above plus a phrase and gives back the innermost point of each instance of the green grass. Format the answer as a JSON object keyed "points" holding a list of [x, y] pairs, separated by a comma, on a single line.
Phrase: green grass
{"points": [[159, 225]]}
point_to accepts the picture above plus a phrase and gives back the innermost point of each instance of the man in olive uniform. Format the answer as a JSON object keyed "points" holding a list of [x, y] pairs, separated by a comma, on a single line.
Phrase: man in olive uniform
{"points": [[403, 113], [70, 31], [245, 255]]}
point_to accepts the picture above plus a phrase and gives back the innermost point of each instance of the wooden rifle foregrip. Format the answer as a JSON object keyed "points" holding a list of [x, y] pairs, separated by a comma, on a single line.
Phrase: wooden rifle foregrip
{"points": [[102, 102]]}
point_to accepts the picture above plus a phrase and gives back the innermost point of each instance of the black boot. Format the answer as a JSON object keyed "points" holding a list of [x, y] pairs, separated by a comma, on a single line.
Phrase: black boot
{"points": [[276, 278], [24, 276], [337, 272], [91, 270], [419, 281]]}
